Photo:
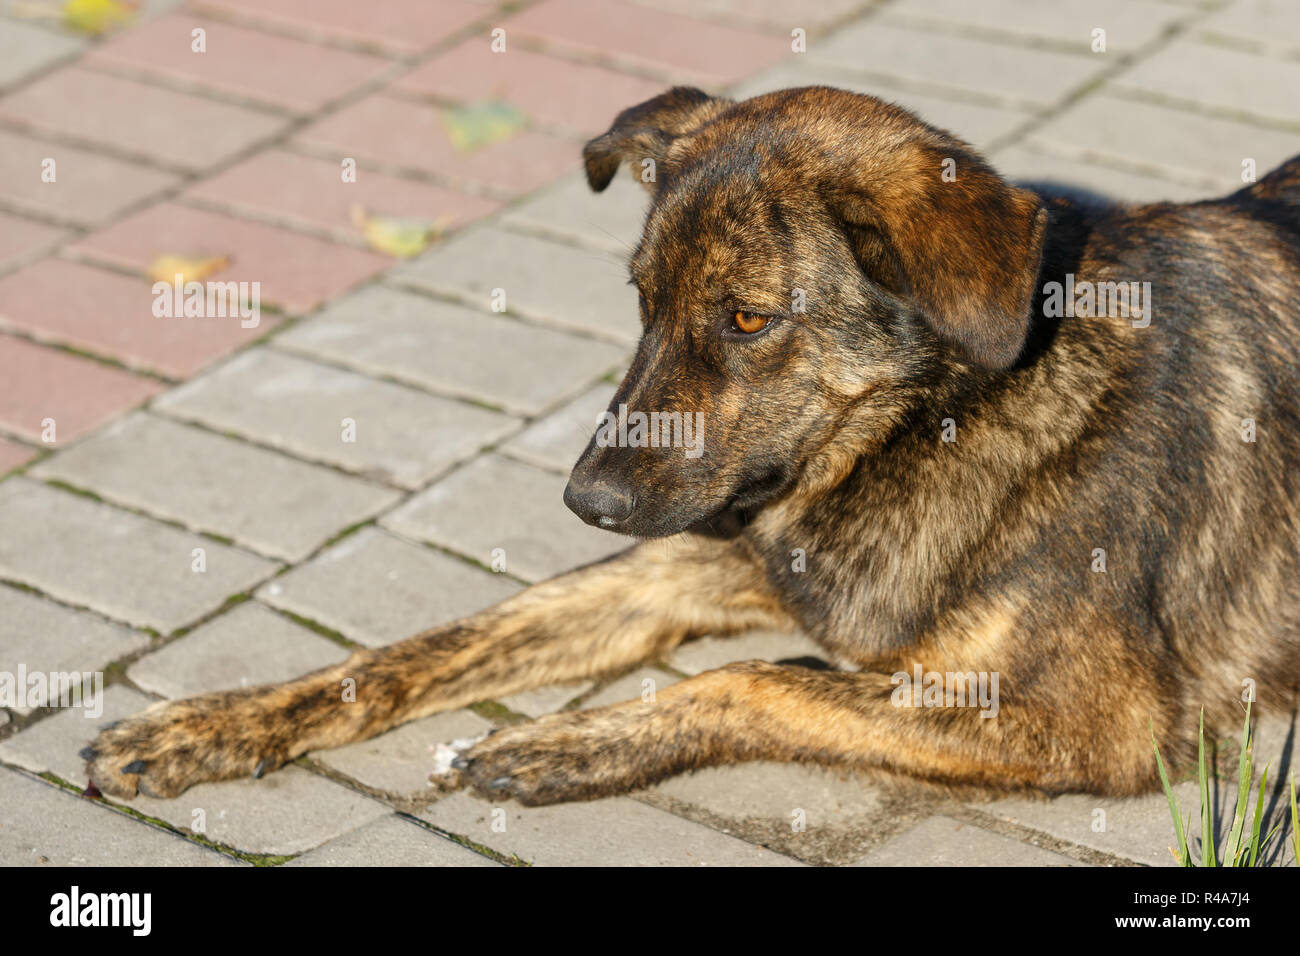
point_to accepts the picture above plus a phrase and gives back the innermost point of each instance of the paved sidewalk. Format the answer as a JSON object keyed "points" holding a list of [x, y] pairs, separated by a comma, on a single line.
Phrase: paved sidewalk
{"points": [[346, 471]]}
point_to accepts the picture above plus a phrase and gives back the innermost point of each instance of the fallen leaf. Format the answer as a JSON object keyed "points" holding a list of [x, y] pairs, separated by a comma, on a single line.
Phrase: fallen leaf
{"points": [[476, 125], [96, 16], [190, 268], [401, 237]]}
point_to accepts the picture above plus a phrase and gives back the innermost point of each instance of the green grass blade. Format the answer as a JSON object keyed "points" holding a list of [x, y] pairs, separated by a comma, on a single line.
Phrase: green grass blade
{"points": [[1259, 817], [1207, 824], [1232, 851], [1184, 851], [1295, 823], [1272, 833]]}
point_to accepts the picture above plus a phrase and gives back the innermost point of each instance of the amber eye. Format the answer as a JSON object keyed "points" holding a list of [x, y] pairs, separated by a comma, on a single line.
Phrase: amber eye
{"points": [[749, 323]]}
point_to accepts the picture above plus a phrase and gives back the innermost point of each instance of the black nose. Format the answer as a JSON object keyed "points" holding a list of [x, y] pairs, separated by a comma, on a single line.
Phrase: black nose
{"points": [[598, 502]]}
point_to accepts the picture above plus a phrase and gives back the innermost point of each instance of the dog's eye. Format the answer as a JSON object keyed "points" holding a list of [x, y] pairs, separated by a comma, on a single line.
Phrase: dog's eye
{"points": [[748, 322]]}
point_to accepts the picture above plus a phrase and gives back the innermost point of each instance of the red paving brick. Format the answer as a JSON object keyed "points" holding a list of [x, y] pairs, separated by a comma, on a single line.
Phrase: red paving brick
{"points": [[268, 69], [78, 393], [412, 135], [88, 189], [13, 454], [685, 49], [20, 238], [176, 129], [580, 97], [782, 15], [310, 191], [112, 315], [397, 26], [296, 272]]}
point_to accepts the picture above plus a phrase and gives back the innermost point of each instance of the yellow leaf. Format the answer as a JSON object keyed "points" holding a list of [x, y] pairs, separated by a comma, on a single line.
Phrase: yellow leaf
{"points": [[189, 268], [96, 16], [403, 238], [476, 125]]}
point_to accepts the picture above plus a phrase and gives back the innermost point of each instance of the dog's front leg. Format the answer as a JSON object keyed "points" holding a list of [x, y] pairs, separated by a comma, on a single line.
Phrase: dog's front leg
{"points": [[597, 619], [754, 710]]}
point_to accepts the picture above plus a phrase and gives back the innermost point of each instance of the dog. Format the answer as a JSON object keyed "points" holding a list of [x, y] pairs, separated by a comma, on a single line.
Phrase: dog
{"points": [[937, 442]]}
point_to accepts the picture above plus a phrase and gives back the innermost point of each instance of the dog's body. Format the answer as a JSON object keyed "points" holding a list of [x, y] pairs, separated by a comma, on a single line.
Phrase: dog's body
{"points": [[926, 467]]}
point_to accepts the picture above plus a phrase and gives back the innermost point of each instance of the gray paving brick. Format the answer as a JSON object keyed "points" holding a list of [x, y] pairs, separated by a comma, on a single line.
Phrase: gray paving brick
{"points": [[1129, 24], [496, 502], [708, 653], [1255, 87], [610, 220], [129, 568], [616, 832], [1264, 26], [1140, 828], [1137, 828], [637, 685], [47, 637], [816, 814], [262, 500], [943, 841], [557, 441], [244, 647], [26, 48], [400, 761], [42, 825], [978, 125], [451, 349], [391, 841], [90, 188], [375, 589], [544, 700], [286, 812], [1010, 75], [1022, 165], [299, 405], [773, 791], [553, 283], [1183, 145]]}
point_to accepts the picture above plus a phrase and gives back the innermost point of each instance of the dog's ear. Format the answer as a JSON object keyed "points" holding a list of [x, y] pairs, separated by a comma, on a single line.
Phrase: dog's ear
{"points": [[647, 130], [931, 221]]}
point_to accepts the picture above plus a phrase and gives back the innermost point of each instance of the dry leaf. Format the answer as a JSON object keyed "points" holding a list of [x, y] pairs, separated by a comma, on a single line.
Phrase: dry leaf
{"points": [[96, 16], [392, 236], [190, 268], [476, 125]]}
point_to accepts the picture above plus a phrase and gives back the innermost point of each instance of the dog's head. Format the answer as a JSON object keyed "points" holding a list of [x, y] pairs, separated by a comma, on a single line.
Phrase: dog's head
{"points": [[810, 261]]}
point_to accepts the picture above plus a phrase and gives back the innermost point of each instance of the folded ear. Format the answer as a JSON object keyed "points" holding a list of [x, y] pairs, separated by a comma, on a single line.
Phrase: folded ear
{"points": [[648, 130], [932, 221]]}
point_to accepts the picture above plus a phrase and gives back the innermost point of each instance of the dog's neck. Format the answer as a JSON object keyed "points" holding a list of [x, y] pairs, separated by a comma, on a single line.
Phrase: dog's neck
{"points": [[888, 526]]}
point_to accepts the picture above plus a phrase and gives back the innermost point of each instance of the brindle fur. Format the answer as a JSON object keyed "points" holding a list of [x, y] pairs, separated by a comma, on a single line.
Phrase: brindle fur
{"points": [[924, 303]]}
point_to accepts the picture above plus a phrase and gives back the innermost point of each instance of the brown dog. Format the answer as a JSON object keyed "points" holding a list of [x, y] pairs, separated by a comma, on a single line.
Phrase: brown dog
{"points": [[951, 433]]}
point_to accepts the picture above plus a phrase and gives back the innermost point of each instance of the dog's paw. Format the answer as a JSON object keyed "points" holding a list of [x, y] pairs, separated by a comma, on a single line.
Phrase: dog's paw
{"points": [[176, 744], [447, 756], [578, 756]]}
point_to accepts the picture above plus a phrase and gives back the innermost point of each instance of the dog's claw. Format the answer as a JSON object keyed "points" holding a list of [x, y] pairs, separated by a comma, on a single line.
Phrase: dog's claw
{"points": [[135, 766], [87, 753], [261, 769], [460, 763], [110, 725], [499, 783]]}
